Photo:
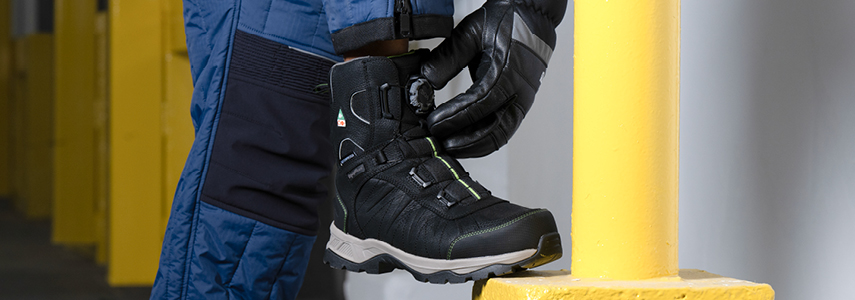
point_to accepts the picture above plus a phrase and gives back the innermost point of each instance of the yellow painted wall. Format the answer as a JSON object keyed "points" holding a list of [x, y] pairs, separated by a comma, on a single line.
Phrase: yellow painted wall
{"points": [[75, 111]]}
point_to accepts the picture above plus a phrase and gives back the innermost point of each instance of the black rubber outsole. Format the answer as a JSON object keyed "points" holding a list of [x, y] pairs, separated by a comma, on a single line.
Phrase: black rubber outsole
{"points": [[548, 250]]}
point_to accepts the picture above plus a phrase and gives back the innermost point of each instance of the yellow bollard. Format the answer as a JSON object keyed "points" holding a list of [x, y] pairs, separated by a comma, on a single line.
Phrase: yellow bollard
{"points": [[34, 125], [625, 164], [625, 137], [6, 116], [17, 113], [101, 167], [150, 131], [74, 118], [135, 149]]}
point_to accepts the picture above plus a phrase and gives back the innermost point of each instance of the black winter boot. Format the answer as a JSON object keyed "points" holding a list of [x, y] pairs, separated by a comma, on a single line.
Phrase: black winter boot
{"points": [[402, 203]]}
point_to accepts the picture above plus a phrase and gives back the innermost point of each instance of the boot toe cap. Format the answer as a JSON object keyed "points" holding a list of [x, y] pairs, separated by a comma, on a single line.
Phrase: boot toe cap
{"points": [[519, 233]]}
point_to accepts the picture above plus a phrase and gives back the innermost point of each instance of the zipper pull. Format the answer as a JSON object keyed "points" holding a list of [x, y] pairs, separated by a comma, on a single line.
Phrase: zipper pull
{"points": [[404, 18]]}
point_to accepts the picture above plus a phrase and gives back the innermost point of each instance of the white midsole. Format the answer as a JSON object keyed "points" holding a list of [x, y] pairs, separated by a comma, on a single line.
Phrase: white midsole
{"points": [[358, 251]]}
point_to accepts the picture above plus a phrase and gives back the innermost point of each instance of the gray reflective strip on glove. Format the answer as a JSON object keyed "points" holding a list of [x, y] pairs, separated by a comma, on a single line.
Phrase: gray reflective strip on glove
{"points": [[524, 35]]}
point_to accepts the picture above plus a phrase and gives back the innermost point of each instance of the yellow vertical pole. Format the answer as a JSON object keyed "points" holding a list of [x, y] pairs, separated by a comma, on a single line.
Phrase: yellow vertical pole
{"points": [[74, 152], [18, 97], [135, 141], [38, 125], [5, 101], [101, 154], [625, 162], [625, 159]]}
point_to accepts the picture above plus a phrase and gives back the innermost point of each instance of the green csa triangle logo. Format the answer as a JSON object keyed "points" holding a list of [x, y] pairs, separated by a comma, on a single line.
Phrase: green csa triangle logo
{"points": [[341, 122]]}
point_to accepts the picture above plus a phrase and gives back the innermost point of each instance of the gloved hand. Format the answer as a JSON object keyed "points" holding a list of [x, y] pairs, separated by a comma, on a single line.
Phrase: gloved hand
{"points": [[506, 44]]}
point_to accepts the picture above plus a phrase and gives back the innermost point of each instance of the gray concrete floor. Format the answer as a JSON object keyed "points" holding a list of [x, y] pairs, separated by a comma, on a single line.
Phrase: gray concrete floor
{"points": [[32, 268]]}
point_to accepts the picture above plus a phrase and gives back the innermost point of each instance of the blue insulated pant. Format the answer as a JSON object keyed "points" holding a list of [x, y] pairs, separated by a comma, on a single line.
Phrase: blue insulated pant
{"points": [[244, 215]]}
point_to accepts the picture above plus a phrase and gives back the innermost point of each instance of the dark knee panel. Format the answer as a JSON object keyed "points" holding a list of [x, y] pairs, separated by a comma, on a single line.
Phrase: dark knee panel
{"points": [[271, 150]]}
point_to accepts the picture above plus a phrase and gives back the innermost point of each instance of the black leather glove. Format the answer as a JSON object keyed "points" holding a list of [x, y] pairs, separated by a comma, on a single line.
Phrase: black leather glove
{"points": [[506, 44]]}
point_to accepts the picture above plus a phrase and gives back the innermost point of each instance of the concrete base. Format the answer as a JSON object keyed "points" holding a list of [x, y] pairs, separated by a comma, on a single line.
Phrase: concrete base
{"points": [[690, 284]]}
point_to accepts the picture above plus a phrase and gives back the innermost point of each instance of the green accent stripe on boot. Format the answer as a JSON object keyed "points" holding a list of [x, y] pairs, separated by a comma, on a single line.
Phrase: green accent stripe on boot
{"points": [[471, 190]]}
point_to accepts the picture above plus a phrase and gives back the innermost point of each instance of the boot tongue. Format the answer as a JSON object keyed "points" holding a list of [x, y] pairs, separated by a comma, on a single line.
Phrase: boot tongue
{"points": [[409, 66]]}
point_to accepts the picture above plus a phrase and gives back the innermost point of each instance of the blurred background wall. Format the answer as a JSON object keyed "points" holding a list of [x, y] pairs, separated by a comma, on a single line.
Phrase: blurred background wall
{"points": [[767, 185], [95, 124]]}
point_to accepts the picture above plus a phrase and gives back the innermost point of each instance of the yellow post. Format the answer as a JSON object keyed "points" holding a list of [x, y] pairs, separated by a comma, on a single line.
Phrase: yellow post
{"points": [[37, 136], [101, 167], [150, 131], [135, 185], [74, 152], [626, 139], [625, 162], [5, 101], [17, 98]]}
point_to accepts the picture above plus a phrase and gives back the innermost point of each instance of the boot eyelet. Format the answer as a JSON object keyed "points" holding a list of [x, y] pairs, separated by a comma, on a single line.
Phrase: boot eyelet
{"points": [[442, 198], [418, 179]]}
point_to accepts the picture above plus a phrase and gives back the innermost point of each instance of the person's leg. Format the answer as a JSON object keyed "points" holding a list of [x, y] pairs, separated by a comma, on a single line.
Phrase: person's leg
{"points": [[245, 212]]}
